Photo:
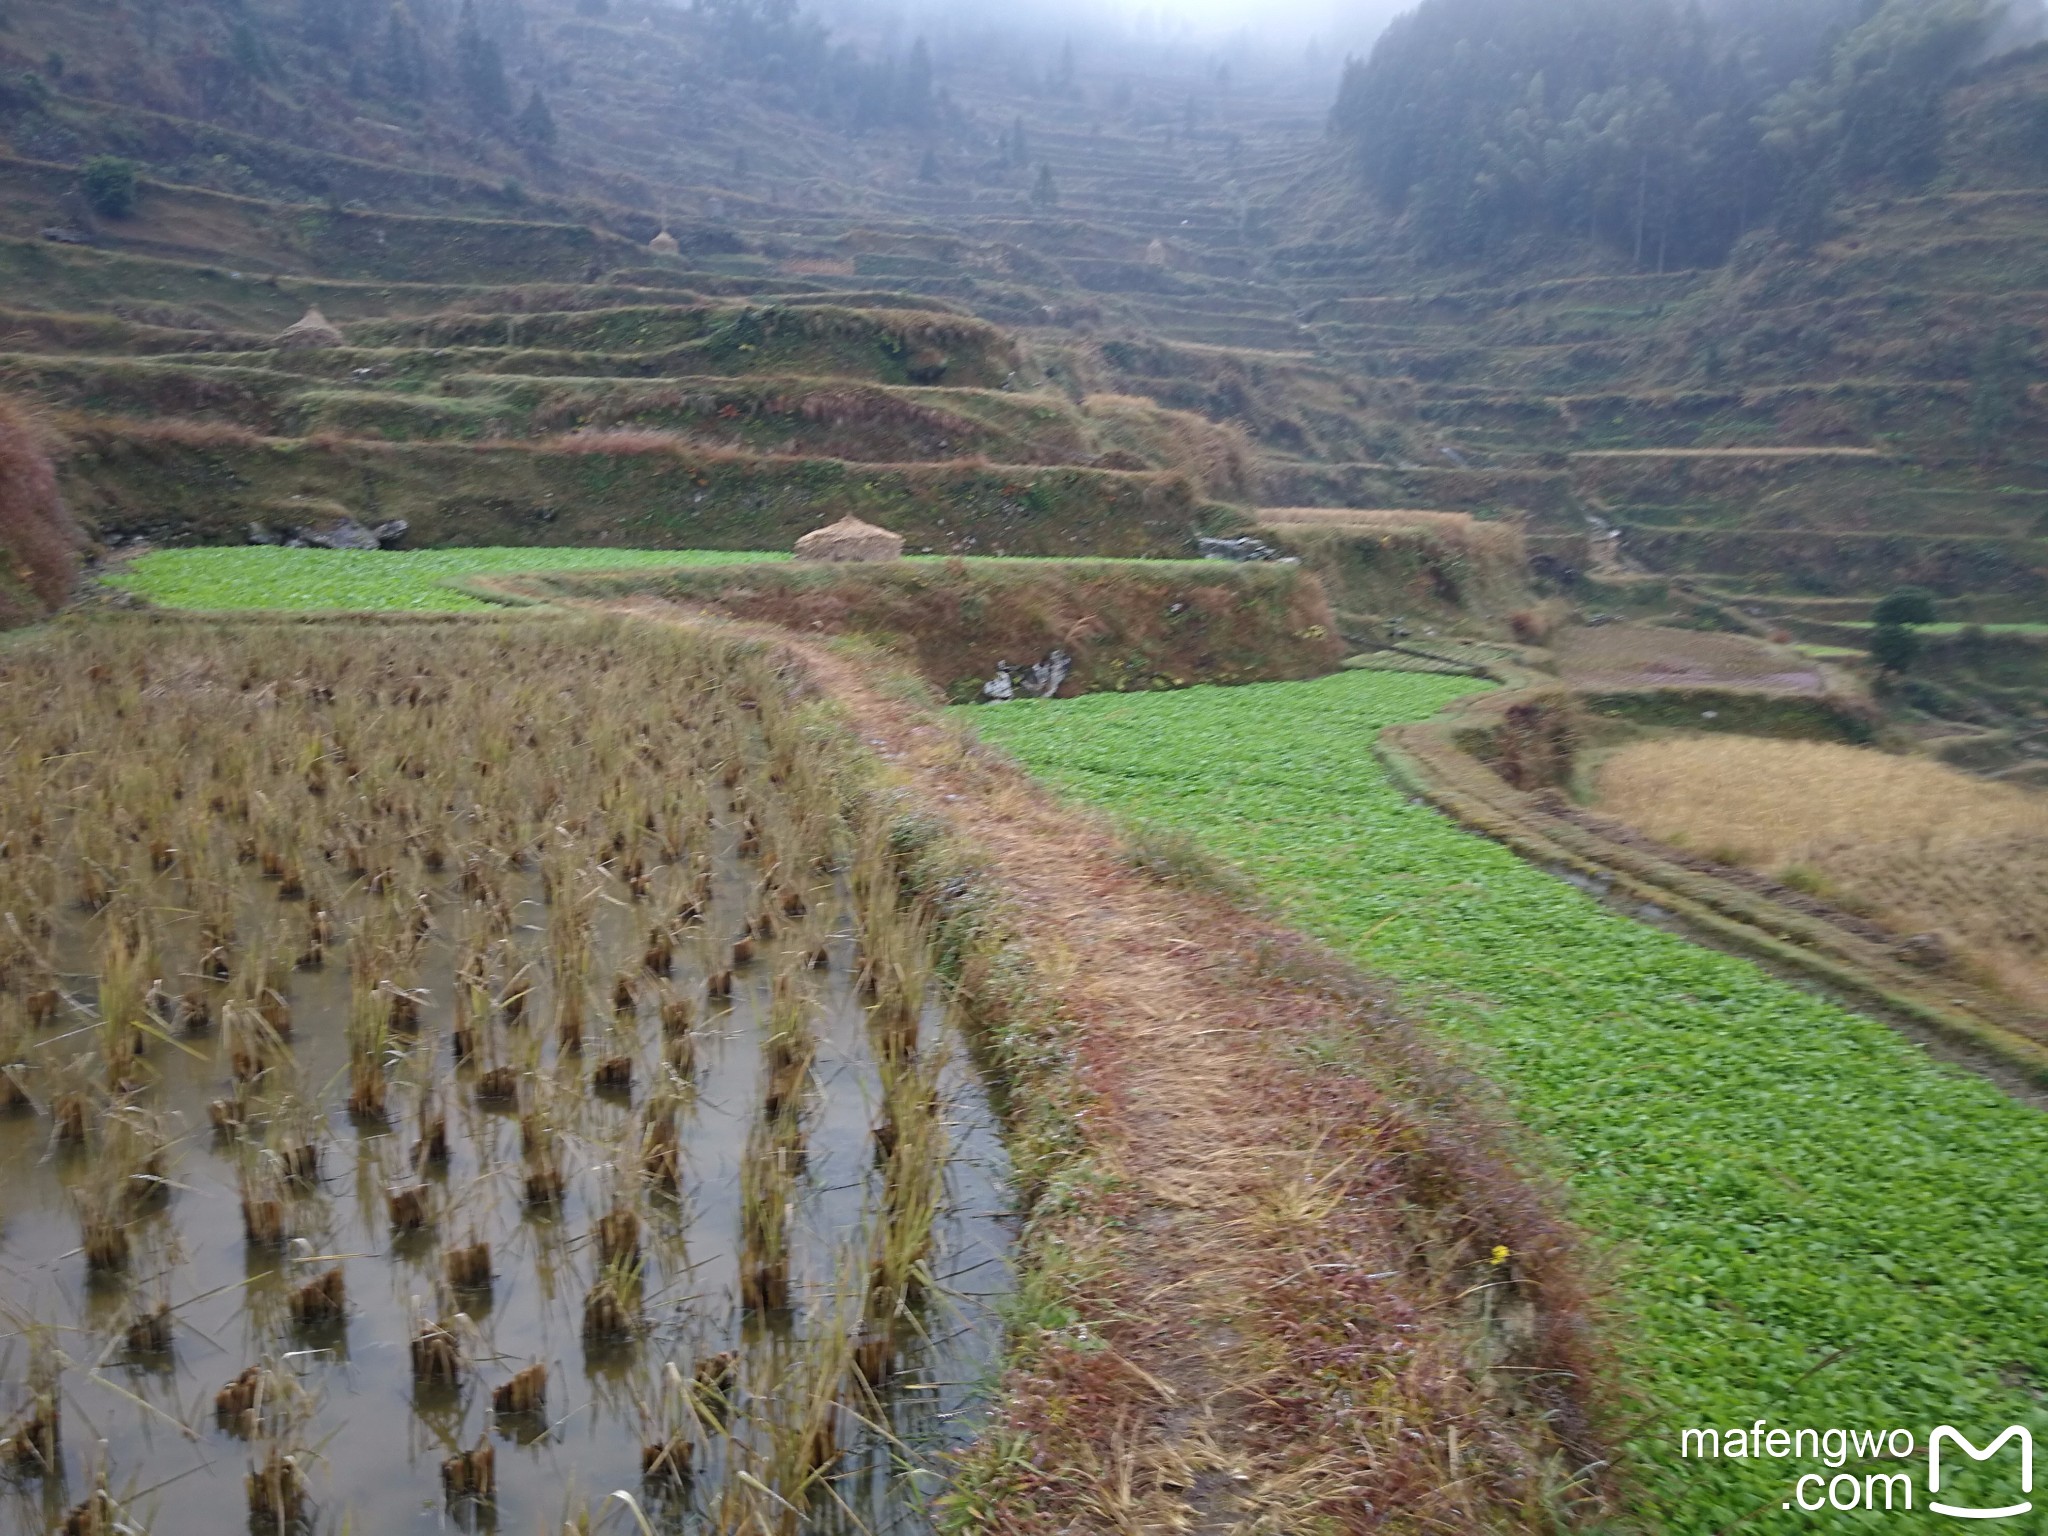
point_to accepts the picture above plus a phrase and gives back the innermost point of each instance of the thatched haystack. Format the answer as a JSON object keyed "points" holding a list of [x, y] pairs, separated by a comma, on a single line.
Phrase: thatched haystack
{"points": [[313, 329], [850, 539], [664, 244]]}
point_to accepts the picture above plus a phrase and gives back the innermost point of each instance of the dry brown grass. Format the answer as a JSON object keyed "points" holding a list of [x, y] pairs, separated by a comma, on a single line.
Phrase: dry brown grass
{"points": [[179, 432], [1635, 655], [1395, 560], [38, 540], [1493, 540], [1217, 455], [1371, 517], [1916, 845], [622, 440]]}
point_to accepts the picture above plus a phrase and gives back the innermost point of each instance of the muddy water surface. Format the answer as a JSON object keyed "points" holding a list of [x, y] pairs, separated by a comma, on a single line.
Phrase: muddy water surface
{"points": [[373, 1440]]}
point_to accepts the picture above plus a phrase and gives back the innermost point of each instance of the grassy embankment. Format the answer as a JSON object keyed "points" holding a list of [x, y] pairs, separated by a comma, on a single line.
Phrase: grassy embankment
{"points": [[1127, 625], [1814, 1224], [173, 484]]}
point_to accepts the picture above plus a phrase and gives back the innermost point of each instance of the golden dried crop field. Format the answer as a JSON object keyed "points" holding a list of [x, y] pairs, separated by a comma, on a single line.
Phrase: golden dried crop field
{"points": [[1912, 843]]}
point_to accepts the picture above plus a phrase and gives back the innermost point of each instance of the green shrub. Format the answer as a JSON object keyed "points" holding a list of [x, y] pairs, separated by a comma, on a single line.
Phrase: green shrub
{"points": [[109, 184], [1894, 646], [1907, 605]]}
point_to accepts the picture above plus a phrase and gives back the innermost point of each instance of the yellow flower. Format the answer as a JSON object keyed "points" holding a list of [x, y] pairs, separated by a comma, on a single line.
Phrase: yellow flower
{"points": [[1500, 1254]]}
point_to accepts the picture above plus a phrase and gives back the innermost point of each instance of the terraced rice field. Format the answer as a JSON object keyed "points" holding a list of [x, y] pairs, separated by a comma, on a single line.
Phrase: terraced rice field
{"points": [[467, 1067], [1811, 1222], [256, 577]]}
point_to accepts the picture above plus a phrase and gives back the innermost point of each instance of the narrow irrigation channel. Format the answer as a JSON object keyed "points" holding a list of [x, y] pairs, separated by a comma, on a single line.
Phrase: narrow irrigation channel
{"points": [[456, 1070], [1812, 1223]]}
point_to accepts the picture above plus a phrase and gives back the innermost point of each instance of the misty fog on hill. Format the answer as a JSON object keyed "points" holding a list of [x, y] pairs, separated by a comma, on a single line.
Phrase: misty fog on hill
{"points": [[1285, 26]]}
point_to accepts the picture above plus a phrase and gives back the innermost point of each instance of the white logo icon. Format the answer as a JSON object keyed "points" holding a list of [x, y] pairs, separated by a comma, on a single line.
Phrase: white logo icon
{"points": [[2016, 1432]]}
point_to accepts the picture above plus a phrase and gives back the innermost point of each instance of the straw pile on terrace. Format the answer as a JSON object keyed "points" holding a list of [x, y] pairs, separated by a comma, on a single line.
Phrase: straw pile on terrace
{"points": [[850, 539], [311, 329]]}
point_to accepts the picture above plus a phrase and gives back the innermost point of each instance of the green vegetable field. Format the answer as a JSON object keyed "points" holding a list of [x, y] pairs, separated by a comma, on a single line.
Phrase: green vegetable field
{"points": [[402, 581], [1814, 1224]]}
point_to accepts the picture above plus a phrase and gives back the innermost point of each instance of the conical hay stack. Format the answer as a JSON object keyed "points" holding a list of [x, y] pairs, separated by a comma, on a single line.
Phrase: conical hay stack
{"points": [[850, 539], [312, 330]]}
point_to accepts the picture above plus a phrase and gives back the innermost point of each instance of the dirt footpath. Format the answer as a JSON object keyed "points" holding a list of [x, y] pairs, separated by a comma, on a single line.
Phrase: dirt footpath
{"points": [[1286, 1301]]}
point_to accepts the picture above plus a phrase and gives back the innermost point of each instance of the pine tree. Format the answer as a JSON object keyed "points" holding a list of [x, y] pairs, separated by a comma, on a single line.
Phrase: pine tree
{"points": [[1045, 194], [245, 48], [1904, 605], [110, 185], [1666, 128], [1803, 211], [916, 104], [536, 124], [405, 54], [480, 66], [324, 23]]}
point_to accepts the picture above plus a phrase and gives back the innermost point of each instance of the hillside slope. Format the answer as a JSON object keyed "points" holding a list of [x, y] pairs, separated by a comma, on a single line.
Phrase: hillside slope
{"points": [[642, 284]]}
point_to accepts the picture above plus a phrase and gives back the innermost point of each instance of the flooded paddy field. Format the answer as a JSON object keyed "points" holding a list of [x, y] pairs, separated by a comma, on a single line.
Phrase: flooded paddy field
{"points": [[456, 1071]]}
